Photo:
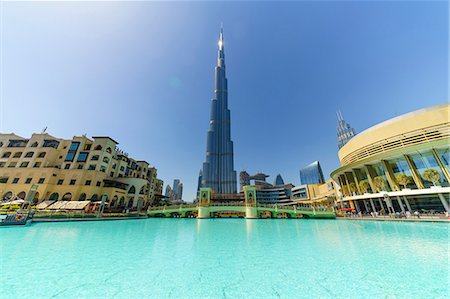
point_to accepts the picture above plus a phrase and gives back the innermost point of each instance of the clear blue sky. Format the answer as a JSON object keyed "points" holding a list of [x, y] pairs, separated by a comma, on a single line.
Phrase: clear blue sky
{"points": [[142, 73]]}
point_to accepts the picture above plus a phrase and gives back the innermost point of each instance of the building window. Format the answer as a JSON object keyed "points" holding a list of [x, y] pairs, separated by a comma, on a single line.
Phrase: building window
{"points": [[17, 155], [87, 147], [88, 183], [41, 155], [37, 165], [18, 143], [103, 169], [35, 144], [2, 164], [114, 165], [122, 168], [82, 157], [51, 143], [6, 155], [106, 160], [41, 181], [15, 180], [91, 167], [24, 164], [94, 158], [67, 166], [3, 180], [98, 148], [72, 182], [99, 183], [12, 164], [28, 180], [80, 166], [72, 151], [60, 182], [29, 155], [111, 174]]}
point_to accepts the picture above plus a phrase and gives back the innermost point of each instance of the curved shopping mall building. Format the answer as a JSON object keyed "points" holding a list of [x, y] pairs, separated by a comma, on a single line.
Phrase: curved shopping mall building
{"points": [[385, 167]]}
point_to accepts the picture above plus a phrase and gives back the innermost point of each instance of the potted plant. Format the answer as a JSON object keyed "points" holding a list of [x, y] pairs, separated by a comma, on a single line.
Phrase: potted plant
{"points": [[364, 186], [403, 179], [432, 175], [379, 183]]}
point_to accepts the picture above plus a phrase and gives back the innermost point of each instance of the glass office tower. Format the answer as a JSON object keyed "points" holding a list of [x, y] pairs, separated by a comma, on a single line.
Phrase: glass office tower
{"points": [[312, 174]]}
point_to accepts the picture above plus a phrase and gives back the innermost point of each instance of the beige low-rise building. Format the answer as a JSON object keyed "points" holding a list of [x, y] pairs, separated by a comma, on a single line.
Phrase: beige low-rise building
{"points": [[78, 169]]}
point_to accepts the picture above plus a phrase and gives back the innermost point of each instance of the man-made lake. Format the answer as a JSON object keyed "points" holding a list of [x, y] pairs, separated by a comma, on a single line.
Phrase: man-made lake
{"points": [[220, 258]]}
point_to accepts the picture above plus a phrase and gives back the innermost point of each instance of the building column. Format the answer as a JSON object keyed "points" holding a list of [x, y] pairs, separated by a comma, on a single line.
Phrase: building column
{"points": [[373, 206], [390, 175], [441, 165], [400, 204], [407, 203], [366, 205], [369, 173], [355, 178], [444, 202], [414, 173]]}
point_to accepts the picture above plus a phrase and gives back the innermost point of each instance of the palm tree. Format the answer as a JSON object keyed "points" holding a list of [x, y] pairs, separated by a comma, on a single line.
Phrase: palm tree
{"points": [[403, 179], [364, 186], [353, 188], [379, 183], [432, 175]]}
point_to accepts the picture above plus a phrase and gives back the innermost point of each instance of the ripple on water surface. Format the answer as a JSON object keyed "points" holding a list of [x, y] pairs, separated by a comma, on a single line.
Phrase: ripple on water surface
{"points": [[225, 258]]}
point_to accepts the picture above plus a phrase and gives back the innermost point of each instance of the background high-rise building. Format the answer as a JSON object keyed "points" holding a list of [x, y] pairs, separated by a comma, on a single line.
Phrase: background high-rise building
{"points": [[174, 193], [312, 174], [344, 131], [278, 181], [218, 168]]}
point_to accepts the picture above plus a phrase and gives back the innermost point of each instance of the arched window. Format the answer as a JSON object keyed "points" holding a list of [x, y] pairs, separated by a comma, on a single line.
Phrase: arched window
{"points": [[130, 203], [82, 197], [114, 201], [94, 197], [54, 196], [35, 144], [98, 148], [22, 195], [108, 150], [67, 196], [122, 202], [142, 190], [132, 190], [6, 155], [8, 195], [106, 159]]}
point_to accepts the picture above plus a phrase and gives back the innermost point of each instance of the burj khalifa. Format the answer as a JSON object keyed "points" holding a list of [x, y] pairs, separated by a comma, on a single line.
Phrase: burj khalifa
{"points": [[218, 169]]}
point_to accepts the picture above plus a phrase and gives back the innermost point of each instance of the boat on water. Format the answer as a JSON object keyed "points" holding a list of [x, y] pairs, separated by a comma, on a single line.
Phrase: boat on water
{"points": [[15, 219]]}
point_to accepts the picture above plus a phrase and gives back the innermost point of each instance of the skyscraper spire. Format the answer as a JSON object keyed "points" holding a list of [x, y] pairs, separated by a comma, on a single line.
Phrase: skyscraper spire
{"points": [[218, 168]]}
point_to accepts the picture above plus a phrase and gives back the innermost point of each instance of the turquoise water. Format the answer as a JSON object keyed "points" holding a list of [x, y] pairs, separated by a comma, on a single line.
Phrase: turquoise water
{"points": [[220, 258]]}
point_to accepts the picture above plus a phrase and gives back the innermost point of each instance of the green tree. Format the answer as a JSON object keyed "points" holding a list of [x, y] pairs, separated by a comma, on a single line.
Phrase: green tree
{"points": [[403, 179], [379, 183], [364, 186], [353, 188], [432, 175]]}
